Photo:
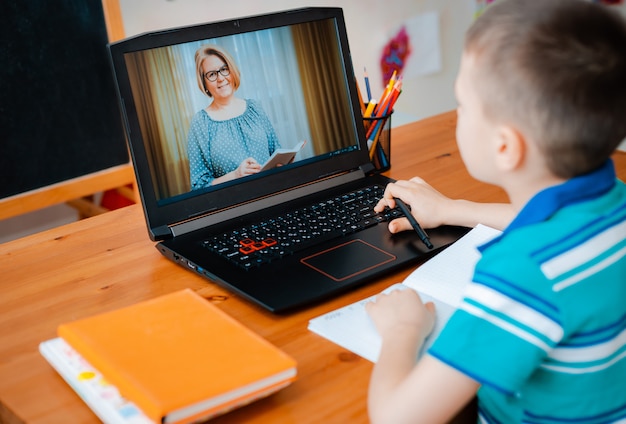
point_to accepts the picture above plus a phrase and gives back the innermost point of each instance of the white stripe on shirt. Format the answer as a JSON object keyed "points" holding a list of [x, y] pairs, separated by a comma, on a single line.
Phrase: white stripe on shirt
{"points": [[595, 352], [505, 325], [605, 263], [585, 370], [584, 252], [515, 311]]}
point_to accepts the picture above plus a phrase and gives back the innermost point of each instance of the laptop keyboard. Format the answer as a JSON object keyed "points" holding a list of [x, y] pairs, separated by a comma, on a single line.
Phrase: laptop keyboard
{"points": [[271, 239]]}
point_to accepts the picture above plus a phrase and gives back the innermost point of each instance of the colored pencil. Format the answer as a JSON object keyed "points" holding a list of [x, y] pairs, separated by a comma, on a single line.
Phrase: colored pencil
{"points": [[367, 85]]}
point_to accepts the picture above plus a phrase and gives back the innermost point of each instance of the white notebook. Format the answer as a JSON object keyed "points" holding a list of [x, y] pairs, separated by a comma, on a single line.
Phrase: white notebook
{"points": [[442, 280]]}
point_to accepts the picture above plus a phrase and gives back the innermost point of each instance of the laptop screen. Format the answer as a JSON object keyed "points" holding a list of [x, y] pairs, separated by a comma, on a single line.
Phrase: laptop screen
{"points": [[207, 106]]}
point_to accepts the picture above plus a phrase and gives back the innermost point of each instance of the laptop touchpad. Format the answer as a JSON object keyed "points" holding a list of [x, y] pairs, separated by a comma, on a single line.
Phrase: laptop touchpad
{"points": [[348, 260]]}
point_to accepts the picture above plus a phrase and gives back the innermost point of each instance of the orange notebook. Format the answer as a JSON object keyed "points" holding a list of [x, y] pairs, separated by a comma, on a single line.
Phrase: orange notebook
{"points": [[179, 358]]}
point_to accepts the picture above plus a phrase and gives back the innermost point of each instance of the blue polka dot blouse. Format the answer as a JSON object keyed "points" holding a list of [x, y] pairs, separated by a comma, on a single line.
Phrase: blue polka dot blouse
{"points": [[218, 147]]}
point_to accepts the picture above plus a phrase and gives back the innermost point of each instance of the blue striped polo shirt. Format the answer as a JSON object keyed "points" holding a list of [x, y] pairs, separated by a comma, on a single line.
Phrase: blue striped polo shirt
{"points": [[542, 326]]}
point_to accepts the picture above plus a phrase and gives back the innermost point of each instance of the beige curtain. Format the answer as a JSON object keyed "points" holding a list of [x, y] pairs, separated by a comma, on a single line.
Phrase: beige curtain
{"points": [[164, 115], [330, 123]]}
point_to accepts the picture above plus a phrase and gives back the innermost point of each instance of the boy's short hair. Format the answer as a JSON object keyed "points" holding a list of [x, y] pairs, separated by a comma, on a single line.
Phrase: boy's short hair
{"points": [[557, 70]]}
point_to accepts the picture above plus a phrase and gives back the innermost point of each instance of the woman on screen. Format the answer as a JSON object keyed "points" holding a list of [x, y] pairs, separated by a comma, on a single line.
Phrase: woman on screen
{"points": [[231, 137]]}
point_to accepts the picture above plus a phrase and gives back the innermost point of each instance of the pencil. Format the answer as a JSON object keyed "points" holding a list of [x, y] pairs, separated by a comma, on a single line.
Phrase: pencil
{"points": [[416, 226], [387, 91], [367, 85], [369, 109], [358, 91]]}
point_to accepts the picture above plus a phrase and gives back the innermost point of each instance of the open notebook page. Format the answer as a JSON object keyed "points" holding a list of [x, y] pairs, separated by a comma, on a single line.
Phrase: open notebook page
{"points": [[445, 275], [441, 280]]}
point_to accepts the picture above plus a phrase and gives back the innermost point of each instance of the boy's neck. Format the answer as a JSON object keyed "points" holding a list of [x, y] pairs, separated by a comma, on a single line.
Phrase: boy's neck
{"points": [[522, 188]]}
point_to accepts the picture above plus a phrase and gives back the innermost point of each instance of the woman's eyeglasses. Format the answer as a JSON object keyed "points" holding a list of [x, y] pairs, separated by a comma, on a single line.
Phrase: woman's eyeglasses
{"points": [[212, 75]]}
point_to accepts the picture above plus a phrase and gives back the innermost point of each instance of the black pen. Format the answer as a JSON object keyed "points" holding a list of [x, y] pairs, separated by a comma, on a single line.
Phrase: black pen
{"points": [[416, 226]]}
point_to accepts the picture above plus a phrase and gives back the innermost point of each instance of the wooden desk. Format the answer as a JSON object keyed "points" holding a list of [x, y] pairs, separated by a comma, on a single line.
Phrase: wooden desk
{"points": [[108, 261]]}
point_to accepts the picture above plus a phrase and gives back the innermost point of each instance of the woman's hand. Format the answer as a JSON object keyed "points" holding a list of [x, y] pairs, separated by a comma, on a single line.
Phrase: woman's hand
{"points": [[248, 166]]}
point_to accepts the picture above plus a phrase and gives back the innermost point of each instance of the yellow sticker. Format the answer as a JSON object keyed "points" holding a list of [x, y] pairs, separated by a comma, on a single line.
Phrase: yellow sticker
{"points": [[86, 375]]}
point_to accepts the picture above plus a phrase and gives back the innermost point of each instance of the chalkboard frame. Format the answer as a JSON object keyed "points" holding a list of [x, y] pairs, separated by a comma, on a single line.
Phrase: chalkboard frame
{"points": [[85, 185]]}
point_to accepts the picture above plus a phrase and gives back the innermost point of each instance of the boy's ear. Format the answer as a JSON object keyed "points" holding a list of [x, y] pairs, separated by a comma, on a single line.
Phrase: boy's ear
{"points": [[510, 148]]}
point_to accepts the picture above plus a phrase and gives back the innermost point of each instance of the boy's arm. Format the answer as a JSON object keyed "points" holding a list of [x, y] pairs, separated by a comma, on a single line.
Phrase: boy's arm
{"points": [[433, 209], [469, 214], [431, 392], [401, 391]]}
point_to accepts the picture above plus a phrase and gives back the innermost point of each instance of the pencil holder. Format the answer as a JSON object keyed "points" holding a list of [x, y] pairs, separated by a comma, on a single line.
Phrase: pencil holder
{"points": [[378, 133]]}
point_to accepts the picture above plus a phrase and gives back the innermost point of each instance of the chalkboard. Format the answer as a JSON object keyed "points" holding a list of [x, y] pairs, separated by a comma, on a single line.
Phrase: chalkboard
{"points": [[59, 116]]}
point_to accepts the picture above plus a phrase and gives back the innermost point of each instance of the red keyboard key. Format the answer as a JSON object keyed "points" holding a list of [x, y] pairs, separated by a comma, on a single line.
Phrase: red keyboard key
{"points": [[246, 250], [269, 242]]}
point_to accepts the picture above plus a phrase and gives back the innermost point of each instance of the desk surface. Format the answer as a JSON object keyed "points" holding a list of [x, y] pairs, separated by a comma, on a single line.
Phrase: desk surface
{"points": [[108, 261]]}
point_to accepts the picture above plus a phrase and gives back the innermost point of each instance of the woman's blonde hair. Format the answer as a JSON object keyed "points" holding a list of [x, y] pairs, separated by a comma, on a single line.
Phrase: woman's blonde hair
{"points": [[213, 50]]}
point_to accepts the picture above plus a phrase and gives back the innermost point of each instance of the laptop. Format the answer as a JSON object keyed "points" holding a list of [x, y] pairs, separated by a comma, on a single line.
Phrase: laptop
{"points": [[295, 67]]}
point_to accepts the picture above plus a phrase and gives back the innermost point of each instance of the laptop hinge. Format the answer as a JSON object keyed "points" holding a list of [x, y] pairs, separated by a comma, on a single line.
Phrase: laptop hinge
{"points": [[368, 168], [263, 203], [161, 233]]}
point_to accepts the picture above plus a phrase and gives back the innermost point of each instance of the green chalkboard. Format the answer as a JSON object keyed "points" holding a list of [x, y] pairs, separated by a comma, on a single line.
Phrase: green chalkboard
{"points": [[59, 116]]}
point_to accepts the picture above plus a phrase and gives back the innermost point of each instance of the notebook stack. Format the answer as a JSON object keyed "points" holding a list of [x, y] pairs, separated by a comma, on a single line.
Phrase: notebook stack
{"points": [[173, 359]]}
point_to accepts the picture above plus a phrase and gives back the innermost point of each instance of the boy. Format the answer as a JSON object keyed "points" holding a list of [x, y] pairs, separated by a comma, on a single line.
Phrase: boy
{"points": [[540, 336]]}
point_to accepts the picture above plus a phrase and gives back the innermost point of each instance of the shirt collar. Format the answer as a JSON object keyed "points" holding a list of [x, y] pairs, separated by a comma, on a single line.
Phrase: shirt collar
{"points": [[548, 201]]}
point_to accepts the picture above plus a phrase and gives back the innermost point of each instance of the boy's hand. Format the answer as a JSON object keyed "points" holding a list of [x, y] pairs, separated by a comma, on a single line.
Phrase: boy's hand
{"points": [[427, 204], [402, 312]]}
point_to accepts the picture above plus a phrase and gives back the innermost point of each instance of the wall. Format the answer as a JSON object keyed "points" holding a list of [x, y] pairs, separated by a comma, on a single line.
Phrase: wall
{"points": [[370, 24]]}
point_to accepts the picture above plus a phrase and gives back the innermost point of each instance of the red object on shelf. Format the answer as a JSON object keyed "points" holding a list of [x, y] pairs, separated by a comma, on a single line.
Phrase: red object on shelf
{"points": [[113, 199]]}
